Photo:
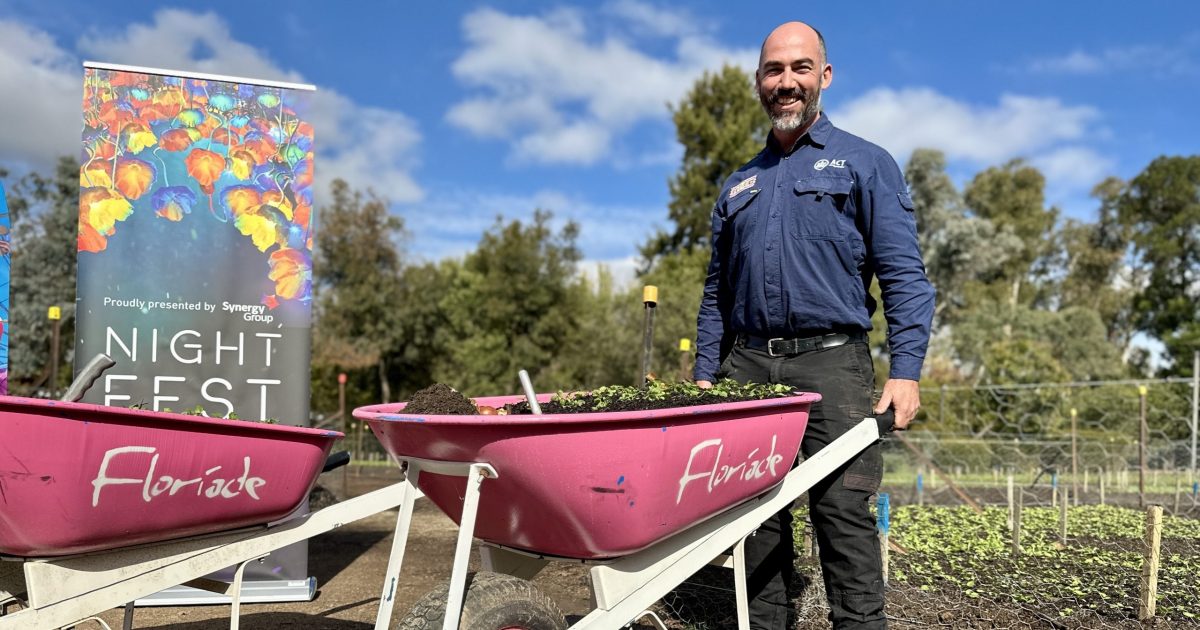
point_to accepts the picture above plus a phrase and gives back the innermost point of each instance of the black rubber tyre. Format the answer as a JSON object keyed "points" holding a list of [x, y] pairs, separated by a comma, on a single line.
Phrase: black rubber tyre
{"points": [[494, 601]]}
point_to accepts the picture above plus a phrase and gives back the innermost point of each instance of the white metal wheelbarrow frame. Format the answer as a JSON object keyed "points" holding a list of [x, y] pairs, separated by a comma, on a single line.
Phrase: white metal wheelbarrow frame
{"points": [[623, 588], [66, 590]]}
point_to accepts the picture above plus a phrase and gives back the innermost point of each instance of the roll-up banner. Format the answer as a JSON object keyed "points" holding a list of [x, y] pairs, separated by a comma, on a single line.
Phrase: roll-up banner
{"points": [[195, 260]]}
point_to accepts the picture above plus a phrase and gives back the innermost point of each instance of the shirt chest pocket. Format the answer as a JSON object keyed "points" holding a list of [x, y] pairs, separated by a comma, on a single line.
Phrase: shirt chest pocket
{"points": [[740, 218], [822, 207]]}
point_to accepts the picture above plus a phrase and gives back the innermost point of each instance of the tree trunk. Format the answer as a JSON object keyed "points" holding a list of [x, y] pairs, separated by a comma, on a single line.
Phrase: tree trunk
{"points": [[384, 388]]}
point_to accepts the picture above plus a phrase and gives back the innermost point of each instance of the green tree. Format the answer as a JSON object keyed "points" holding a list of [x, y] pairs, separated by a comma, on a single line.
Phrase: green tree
{"points": [[1094, 264], [721, 126], [357, 281], [512, 306], [602, 348], [957, 248], [44, 212], [1012, 198], [1161, 208]]}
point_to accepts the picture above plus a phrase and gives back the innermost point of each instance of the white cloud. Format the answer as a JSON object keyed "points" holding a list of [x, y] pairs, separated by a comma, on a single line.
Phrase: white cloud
{"points": [[623, 271], [371, 147], [451, 224], [42, 86], [1016, 126], [654, 21], [1073, 166], [548, 79], [1159, 60]]}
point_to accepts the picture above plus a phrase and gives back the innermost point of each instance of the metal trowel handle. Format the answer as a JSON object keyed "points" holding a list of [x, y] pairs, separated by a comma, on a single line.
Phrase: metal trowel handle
{"points": [[87, 376], [887, 421]]}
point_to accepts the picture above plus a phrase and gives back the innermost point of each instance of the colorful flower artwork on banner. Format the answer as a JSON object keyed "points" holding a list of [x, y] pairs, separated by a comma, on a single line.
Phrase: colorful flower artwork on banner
{"points": [[206, 154]]}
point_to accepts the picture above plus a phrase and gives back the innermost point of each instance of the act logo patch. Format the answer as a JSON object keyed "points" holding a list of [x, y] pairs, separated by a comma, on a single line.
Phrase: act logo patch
{"points": [[821, 164]]}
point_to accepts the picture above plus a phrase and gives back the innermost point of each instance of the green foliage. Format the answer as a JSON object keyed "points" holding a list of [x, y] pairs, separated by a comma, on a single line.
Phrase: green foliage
{"points": [[957, 248], [356, 277], [45, 215], [1012, 198], [1161, 209], [725, 390], [721, 126], [513, 304], [1098, 570]]}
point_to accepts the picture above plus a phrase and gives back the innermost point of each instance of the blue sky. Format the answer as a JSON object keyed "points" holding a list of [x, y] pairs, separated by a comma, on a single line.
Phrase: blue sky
{"points": [[461, 111]]}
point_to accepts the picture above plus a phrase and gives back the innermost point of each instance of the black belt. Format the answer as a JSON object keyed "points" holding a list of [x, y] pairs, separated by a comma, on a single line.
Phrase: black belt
{"points": [[782, 347]]}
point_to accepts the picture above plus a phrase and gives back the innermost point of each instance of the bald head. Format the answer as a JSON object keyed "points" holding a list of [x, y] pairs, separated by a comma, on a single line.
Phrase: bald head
{"points": [[793, 32], [792, 71]]}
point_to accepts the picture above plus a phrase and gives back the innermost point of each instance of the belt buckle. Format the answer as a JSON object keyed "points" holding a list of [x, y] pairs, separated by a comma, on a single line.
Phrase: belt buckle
{"points": [[770, 347]]}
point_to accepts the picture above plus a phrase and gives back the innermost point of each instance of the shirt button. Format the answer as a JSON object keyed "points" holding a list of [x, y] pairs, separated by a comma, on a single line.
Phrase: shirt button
{"points": [[769, 247]]}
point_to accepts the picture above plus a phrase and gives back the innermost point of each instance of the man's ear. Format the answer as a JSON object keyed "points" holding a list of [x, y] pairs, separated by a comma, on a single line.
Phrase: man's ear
{"points": [[826, 76]]}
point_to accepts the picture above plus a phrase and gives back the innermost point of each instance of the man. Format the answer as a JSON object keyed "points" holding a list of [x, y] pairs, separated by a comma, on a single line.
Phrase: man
{"points": [[798, 234]]}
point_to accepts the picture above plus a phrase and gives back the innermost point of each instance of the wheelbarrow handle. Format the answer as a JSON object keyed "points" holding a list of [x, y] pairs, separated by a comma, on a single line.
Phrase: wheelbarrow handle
{"points": [[87, 376], [336, 460], [886, 421]]}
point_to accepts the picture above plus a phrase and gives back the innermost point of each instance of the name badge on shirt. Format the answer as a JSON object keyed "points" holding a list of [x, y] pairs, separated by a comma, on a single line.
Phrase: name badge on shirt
{"points": [[743, 185]]}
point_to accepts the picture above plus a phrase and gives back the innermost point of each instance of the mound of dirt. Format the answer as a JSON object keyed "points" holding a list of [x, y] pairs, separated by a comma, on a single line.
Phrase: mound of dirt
{"points": [[440, 400]]}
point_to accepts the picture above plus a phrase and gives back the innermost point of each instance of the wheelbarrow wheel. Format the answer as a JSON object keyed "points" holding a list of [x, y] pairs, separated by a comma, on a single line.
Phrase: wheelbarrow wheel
{"points": [[494, 601]]}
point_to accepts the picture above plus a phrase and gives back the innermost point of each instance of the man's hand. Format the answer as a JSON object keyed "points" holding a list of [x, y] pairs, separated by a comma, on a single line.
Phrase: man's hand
{"points": [[704, 384], [904, 396]]}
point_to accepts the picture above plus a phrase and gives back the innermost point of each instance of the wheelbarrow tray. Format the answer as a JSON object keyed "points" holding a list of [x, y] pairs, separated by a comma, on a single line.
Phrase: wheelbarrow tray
{"points": [[600, 485], [78, 477]]}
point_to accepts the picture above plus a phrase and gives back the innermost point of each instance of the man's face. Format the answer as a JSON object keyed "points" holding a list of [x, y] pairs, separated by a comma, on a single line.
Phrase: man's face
{"points": [[790, 76]]}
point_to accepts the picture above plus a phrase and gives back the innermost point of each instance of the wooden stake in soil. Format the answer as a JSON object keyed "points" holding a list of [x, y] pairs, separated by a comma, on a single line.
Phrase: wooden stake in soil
{"points": [[650, 300], [1149, 591], [1074, 455], [1016, 528], [1010, 502], [1062, 516]]}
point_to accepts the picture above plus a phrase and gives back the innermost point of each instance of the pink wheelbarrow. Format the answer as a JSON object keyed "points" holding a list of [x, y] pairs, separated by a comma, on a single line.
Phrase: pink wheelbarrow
{"points": [[101, 505], [647, 498]]}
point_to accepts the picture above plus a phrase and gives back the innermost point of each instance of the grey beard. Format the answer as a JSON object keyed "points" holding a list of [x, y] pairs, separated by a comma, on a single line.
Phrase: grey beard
{"points": [[792, 122]]}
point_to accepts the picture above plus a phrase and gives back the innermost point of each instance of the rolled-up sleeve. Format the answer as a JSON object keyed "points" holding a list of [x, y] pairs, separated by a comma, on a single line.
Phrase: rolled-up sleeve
{"points": [[891, 240], [710, 322]]}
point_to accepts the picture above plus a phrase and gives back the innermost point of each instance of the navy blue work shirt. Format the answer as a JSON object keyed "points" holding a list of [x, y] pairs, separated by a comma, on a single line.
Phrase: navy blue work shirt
{"points": [[797, 238]]}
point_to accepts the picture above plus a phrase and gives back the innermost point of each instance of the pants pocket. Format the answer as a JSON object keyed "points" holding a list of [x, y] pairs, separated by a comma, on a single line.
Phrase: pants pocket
{"points": [[865, 473]]}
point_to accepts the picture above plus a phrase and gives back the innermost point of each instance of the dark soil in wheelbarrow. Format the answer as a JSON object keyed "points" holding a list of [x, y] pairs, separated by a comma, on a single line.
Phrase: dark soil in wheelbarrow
{"points": [[441, 399]]}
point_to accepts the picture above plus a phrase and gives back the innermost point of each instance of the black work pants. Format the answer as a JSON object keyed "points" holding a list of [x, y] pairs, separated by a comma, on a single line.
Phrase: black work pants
{"points": [[838, 505]]}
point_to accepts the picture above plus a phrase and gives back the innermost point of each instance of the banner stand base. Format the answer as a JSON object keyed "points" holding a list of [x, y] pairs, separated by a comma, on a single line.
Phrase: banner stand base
{"points": [[253, 592]]}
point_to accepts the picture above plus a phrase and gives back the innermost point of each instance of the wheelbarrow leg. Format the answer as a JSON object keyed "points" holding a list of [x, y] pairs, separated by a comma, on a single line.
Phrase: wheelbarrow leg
{"points": [[127, 622], [387, 599], [462, 552], [739, 585], [235, 613]]}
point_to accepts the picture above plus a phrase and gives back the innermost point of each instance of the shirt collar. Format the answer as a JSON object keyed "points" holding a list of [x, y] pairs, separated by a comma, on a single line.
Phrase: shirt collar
{"points": [[817, 135]]}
